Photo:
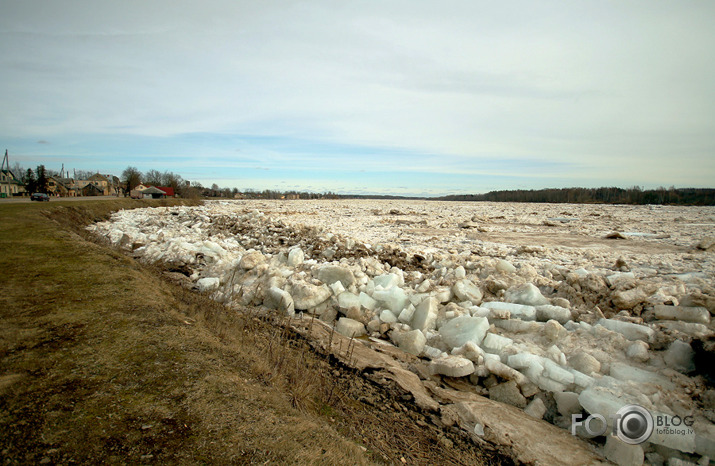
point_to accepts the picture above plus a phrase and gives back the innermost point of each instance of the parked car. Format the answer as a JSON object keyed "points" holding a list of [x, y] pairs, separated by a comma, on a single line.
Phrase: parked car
{"points": [[40, 197]]}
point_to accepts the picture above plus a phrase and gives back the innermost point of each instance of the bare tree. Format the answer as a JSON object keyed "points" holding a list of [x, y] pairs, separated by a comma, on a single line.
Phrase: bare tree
{"points": [[153, 178], [131, 177], [18, 170], [172, 180], [83, 174]]}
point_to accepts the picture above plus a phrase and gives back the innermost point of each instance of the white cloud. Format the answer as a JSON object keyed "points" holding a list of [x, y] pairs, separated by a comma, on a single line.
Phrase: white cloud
{"points": [[585, 84]]}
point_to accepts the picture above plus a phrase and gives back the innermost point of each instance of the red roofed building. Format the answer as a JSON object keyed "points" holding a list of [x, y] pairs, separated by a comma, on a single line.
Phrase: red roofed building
{"points": [[168, 190]]}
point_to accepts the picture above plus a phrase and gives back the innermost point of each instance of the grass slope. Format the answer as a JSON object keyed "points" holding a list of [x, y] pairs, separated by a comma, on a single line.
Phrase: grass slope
{"points": [[103, 360]]}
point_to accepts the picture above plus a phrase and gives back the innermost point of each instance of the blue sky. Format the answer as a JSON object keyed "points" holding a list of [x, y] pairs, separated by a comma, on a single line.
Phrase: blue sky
{"points": [[396, 97]]}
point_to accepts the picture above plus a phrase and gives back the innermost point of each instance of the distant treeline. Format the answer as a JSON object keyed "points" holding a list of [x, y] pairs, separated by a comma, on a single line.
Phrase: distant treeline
{"points": [[635, 195], [271, 194]]}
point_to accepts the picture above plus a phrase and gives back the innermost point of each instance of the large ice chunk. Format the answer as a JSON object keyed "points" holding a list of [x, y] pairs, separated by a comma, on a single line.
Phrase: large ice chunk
{"points": [[330, 274], [471, 351], [367, 301], [494, 343], [620, 277], [280, 300], [698, 315], [547, 312], [692, 329], [413, 342], [425, 315], [337, 288], [679, 356], [295, 257], [625, 372], [599, 401], [622, 453], [557, 373], [349, 327], [388, 317], [433, 353], [525, 294], [452, 366], [500, 369], [584, 362], [387, 280], [536, 408], [581, 379], [629, 330], [393, 298], [567, 403], [524, 360], [442, 293], [550, 385], [518, 326], [460, 330], [517, 311], [348, 300], [406, 315], [465, 290], [505, 267], [307, 296], [638, 351], [208, 284]]}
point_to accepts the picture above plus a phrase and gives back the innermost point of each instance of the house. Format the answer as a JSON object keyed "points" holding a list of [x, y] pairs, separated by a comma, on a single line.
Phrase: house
{"points": [[91, 189], [152, 192], [9, 184], [136, 193], [103, 183], [64, 187], [168, 190]]}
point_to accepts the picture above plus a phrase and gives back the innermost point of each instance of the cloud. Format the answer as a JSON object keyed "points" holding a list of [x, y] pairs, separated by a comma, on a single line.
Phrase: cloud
{"points": [[584, 93]]}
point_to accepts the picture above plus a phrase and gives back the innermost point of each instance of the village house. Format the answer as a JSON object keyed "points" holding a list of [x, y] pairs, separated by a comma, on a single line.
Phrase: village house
{"points": [[63, 187], [91, 189], [136, 193], [168, 190], [152, 192], [9, 184], [109, 185]]}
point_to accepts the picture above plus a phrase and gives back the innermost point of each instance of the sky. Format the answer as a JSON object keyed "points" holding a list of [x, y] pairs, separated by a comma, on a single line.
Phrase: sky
{"points": [[410, 97]]}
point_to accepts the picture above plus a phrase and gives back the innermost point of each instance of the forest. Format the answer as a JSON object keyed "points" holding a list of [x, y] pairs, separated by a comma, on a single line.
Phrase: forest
{"points": [[613, 195]]}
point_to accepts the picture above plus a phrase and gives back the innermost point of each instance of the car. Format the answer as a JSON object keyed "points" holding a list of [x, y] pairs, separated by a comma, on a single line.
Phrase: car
{"points": [[40, 197]]}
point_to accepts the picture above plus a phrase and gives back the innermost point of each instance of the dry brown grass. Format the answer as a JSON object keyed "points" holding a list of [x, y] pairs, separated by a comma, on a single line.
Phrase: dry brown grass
{"points": [[103, 360]]}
